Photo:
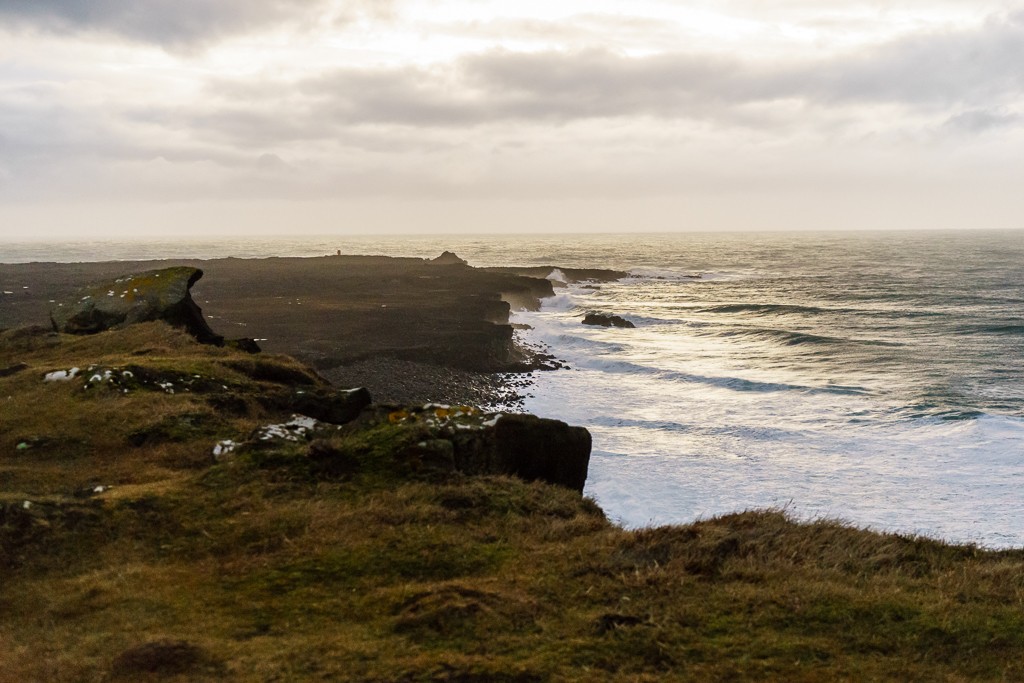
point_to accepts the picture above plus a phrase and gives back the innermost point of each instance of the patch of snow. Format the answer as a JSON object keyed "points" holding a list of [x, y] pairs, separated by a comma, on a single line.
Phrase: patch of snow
{"points": [[288, 431], [27, 504], [61, 375], [223, 448], [303, 421], [100, 489], [493, 421], [101, 377]]}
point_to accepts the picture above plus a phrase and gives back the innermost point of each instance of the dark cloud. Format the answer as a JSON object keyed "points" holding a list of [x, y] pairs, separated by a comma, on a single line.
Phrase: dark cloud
{"points": [[170, 23], [982, 120]]}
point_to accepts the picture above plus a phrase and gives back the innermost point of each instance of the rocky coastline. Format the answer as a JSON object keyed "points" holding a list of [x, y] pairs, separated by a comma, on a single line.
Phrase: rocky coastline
{"points": [[410, 330], [178, 505]]}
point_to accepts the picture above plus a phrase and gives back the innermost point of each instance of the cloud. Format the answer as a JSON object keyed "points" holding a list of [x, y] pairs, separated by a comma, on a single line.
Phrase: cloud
{"points": [[927, 76], [169, 23], [982, 120], [512, 123]]}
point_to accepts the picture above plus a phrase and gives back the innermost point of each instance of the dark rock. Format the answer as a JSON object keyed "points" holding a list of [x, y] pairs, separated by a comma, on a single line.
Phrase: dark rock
{"points": [[152, 295], [448, 259], [529, 447], [331, 405], [606, 320]]}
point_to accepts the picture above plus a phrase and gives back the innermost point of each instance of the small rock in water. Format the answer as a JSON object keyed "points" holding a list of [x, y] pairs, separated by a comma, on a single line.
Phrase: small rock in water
{"points": [[607, 320]]}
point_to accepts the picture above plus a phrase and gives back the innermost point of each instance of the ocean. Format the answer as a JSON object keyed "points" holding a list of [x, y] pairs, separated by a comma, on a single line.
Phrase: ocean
{"points": [[876, 378]]}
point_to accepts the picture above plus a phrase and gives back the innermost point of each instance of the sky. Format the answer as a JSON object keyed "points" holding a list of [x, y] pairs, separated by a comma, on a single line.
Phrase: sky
{"points": [[234, 117]]}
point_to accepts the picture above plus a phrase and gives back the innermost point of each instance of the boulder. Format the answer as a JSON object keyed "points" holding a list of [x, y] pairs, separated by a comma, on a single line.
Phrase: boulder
{"points": [[336, 406], [448, 258], [606, 320], [152, 295], [526, 446]]}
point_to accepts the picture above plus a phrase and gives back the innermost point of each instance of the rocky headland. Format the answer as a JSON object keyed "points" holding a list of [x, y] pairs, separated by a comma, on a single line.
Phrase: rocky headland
{"points": [[402, 327]]}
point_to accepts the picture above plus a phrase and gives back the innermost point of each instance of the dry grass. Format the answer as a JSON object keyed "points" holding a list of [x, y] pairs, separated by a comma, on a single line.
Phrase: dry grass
{"points": [[265, 568]]}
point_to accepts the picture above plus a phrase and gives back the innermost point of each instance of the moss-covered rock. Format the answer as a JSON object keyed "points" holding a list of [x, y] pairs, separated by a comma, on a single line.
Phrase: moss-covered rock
{"points": [[142, 297]]}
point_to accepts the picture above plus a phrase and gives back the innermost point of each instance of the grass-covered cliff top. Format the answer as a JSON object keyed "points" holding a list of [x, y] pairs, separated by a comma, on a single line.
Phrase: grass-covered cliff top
{"points": [[129, 552]]}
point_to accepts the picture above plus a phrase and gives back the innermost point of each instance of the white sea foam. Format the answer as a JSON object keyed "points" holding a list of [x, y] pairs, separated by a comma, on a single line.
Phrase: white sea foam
{"points": [[685, 429]]}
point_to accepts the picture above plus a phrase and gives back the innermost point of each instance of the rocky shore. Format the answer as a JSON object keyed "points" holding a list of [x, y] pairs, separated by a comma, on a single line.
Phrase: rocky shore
{"points": [[175, 507], [410, 330]]}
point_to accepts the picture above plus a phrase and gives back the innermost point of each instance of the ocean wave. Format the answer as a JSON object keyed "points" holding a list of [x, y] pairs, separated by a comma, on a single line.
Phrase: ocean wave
{"points": [[792, 338], [757, 433], [649, 274], [731, 383], [559, 302], [586, 344], [771, 309], [1007, 329]]}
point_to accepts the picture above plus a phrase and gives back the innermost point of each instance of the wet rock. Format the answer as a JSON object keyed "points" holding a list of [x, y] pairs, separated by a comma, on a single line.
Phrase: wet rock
{"points": [[606, 320], [142, 297]]}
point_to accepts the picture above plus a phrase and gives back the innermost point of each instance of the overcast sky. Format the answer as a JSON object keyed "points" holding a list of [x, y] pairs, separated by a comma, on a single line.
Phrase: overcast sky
{"points": [[313, 116]]}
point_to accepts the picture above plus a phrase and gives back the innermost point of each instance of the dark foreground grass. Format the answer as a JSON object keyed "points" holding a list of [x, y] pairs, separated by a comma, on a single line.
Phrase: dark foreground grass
{"points": [[270, 565]]}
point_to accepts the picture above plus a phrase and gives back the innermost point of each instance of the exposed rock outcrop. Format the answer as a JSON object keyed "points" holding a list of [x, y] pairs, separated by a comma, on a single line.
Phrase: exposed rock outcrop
{"points": [[526, 446], [335, 406], [606, 320], [435, 441], [448, 258], [152, 295]]}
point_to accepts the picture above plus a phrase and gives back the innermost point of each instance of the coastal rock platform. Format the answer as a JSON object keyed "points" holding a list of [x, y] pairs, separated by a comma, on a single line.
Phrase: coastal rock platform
{"points": [[344, 315]]}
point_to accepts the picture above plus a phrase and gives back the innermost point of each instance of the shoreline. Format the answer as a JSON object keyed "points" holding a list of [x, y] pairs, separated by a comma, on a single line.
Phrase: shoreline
{"points": [[410, 330]]}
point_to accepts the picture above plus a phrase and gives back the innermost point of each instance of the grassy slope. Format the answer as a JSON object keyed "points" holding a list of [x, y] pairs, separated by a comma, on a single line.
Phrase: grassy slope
{"points": [[271, 566]]}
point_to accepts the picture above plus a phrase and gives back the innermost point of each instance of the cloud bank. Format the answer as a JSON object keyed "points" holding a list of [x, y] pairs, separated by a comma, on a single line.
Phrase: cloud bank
{"points": [[333, 104]]}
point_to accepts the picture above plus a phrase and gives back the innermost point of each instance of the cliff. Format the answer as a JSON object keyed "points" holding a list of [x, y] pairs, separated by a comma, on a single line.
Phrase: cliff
{"points": [[176, 511]]}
